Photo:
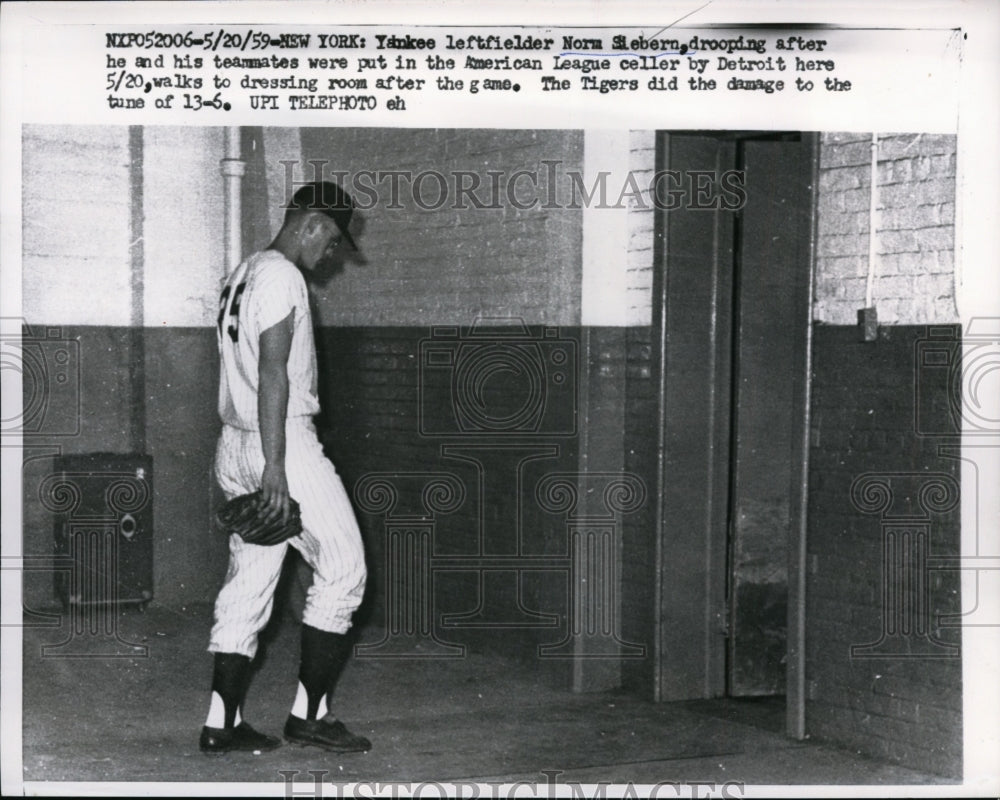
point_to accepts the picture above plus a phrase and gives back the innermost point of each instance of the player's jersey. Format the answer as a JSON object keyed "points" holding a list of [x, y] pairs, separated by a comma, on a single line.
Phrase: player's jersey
{"points": [[259, 293]]}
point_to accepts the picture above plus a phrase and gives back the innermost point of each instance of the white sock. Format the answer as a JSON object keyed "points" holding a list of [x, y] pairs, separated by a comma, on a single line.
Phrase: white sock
{"points": [[217, 713], [300, 708]]}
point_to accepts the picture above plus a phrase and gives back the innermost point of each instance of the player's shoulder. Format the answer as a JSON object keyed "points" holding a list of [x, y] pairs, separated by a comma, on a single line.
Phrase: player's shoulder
{"points": [[271, 261], [271, 268]]}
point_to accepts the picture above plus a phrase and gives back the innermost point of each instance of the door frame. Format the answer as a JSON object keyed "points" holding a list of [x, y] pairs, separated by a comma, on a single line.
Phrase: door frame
{"points": [[797, 563], [795, 676]]}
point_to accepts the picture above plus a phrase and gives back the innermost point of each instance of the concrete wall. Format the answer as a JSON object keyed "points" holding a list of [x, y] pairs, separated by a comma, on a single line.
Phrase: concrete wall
{"points": [[182, 227], [151, 388], [76, 267]]}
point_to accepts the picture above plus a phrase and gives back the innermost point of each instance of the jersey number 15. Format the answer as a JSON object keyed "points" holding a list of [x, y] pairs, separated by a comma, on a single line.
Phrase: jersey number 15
{"points": [[234, 311]]}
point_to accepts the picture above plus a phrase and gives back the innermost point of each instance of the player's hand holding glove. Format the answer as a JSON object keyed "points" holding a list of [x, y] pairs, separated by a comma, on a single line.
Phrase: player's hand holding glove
{"points": [[254, 521]]}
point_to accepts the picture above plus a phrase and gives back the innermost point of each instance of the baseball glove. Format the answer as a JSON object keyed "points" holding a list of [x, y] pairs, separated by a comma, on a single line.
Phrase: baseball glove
{"points": [[245, 516]]}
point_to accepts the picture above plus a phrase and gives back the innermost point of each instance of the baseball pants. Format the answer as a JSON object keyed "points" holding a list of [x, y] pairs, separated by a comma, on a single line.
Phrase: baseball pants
{"points": [[330, 541]]}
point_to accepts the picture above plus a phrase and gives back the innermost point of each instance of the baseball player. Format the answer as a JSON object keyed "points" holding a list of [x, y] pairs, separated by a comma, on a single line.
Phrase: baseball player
{"points": [[267, 398]]}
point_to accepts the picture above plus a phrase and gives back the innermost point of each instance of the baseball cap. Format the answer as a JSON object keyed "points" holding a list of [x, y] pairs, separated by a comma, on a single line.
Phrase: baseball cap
{"points": [[328, 198]]}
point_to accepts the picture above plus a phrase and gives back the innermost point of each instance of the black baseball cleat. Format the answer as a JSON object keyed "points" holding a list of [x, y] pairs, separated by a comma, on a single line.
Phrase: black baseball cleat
{"points": [[328, 733], [224, 740]]}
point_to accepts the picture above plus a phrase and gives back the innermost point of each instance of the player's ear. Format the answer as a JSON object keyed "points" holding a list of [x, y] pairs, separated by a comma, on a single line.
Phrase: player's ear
{"points": [[312, 226]]}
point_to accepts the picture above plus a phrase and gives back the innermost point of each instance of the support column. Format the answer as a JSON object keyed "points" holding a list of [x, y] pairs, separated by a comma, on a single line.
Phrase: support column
{"points": [[233, 167]]}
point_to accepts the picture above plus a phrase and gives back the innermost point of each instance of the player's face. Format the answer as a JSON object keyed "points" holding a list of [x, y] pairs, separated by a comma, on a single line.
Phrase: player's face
{"points": [[323, 244]]}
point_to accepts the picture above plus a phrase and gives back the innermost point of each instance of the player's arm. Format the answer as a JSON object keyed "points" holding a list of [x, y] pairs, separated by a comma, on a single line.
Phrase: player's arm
{"points": [[272, 404]]}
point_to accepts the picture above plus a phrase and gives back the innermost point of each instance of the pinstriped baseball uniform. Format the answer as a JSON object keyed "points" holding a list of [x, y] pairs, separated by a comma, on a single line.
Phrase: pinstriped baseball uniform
{"points": [[259, 293]]}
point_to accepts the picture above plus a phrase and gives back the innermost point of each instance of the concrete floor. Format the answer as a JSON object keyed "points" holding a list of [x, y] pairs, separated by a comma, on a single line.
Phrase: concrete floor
{"points": [[477, 718]]}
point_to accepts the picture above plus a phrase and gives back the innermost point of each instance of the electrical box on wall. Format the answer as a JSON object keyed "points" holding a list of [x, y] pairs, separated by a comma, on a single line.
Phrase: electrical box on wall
{"points": [[868, 323]]}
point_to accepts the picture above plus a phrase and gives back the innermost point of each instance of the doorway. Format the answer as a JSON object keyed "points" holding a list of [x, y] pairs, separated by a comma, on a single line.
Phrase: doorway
{"points": [[732, 322]]}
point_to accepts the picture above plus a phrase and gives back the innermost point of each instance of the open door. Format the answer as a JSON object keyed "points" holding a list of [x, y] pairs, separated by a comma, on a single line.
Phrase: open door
{"points": [[733, 297], [693, 287], [770, 270]]}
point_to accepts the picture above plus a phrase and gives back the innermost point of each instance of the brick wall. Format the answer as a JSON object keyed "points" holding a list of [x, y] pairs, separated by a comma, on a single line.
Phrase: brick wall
{"points": [[452, 264], [642, 162], [440, 266], [915, 238], [915, 251], [906, 710], [372, 422], [901, 701]]}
